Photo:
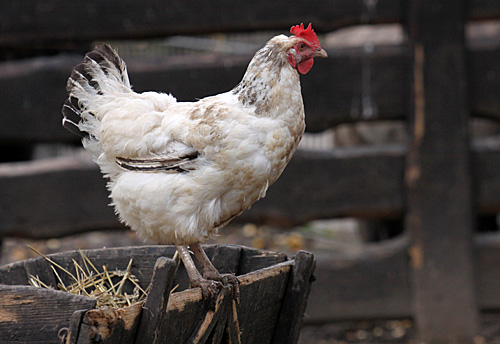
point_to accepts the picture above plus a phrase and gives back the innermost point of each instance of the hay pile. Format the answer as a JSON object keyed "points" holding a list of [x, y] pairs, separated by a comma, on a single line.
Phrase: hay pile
{"points": [[105, 286]]}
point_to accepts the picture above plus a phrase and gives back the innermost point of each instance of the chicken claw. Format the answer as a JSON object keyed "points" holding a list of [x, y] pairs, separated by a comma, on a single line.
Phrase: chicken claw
{"points": [[211, 273], [209, 288], [226, 279]]}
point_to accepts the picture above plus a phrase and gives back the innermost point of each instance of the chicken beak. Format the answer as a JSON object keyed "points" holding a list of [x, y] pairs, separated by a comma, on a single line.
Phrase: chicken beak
{"points": [[320, 53]]}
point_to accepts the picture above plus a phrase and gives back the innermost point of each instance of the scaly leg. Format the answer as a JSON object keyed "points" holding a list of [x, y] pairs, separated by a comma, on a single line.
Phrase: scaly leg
{"points": [[211, 273], [209, 288]]}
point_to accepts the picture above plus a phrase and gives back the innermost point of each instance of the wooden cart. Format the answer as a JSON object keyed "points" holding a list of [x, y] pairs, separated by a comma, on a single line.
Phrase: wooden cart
{"points": [[273, 297]]}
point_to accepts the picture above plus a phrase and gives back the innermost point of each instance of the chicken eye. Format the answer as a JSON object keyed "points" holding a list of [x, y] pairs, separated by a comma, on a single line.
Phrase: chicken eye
{"points": [[301, 46]]}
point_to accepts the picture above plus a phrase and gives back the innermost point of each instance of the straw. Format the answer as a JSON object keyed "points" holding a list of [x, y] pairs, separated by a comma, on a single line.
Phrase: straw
{"points": [[89, 281]]}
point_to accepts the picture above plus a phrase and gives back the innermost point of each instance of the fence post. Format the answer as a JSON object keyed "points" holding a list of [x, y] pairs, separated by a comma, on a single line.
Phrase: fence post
{"points": [[438, 179]]}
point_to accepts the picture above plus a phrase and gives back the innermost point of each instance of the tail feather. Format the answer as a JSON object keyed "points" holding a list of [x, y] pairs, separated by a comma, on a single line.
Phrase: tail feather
{"points": [[102, 72]]}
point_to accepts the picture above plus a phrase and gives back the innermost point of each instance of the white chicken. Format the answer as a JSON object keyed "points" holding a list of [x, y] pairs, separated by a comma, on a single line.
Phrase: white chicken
{"points": [[179, 171]]}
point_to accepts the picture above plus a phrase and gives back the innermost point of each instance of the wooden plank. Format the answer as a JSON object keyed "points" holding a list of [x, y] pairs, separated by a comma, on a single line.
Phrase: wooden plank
{"points": [[78, 198], [375, 282], [483, 9], [261, 294], [74, 326], [143, 261], [252, 259], [42, 84], [70, 197], [483, 71], [226, 258], [213, 320], [110, 325], [438, 175], [330, 98], [183, 309], [295, 299], [487, 253], [40, 269], [35, 315], [371, 283], [319, 185], [486, 162], [333, 91], [13, 273], [157, 300], [40, 25], [57, 20]]}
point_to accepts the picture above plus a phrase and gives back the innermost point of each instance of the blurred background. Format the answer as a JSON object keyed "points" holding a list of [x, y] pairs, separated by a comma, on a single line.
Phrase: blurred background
{"points": [[395, 184]]}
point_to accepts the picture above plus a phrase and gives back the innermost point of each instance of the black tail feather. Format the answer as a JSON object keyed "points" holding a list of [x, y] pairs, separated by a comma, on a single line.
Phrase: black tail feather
{"points": [[71, 117], [107, 59]]}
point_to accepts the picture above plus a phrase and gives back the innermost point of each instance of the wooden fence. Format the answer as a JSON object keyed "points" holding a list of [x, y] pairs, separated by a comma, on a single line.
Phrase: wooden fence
{"points": [[440, 273]]}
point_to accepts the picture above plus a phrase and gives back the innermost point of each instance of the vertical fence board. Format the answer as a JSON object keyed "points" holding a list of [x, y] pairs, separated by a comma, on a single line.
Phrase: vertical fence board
{"points": [[438, 178]]}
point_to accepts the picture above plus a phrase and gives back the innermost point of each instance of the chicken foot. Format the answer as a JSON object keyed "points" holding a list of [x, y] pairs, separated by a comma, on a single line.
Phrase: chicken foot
{"points": [[211, 273], [209, 288]]}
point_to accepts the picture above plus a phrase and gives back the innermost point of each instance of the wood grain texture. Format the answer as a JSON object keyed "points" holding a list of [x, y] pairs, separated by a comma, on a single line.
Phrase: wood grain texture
{"points": [[34, 315], [257, 320], [371, 283], [156, 303], [110, 325], [314, 185], [294, 302], [439, 175], [39, 25], [333, 91], [331, 98], [91, 20]]}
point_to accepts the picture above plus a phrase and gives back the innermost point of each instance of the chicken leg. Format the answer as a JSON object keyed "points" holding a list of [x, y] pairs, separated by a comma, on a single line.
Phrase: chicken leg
{"points": [[211, 273], [209, 288], [212, 281]]}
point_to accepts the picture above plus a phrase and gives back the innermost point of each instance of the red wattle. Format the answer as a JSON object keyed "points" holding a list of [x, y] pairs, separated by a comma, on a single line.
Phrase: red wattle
{"points": [[305, 66]]}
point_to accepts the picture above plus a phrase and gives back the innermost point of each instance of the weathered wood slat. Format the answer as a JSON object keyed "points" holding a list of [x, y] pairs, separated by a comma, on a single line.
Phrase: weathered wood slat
{"points": [[33, 90], [45, 198], [483, 71], [40, 268], [80, 192], [14, 274], [34, 315], [110, 325], [486, 165], [295, 299], [268, 285], [214, 319], [375, 283], [439, 175], [41, 25], [371, 283], [55, 21], [183, 307], [487, 254], [157, 300], [226, 259], [252, 259], [315, 184], [483, 9], [142, 267], [74, 326], [320, 185], [143, 259]]}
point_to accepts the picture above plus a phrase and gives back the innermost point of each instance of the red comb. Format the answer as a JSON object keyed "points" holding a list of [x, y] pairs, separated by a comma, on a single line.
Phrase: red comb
{"points": [[307, 34]]}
